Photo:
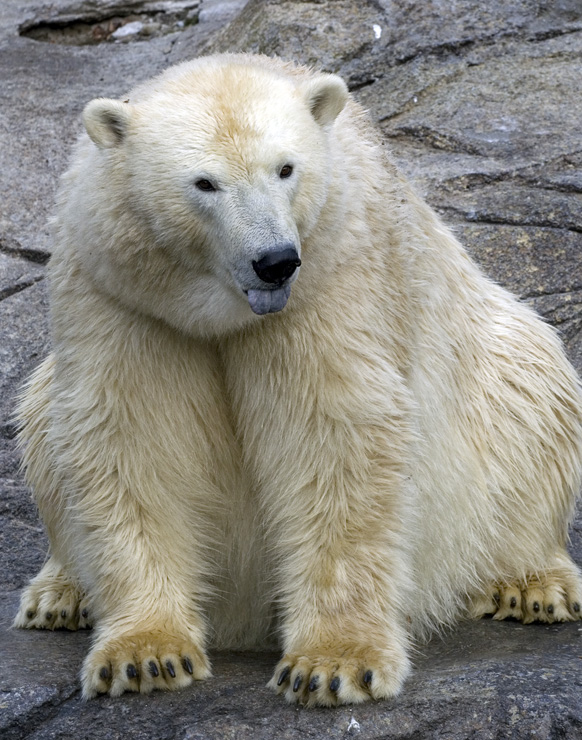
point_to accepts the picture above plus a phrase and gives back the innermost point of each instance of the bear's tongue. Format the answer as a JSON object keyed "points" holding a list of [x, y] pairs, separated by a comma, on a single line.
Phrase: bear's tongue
{"points": [[269, 301]]}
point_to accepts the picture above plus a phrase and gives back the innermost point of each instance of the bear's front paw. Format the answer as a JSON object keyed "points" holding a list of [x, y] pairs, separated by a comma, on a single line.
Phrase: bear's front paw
{"points": [[346, 675], [142, 661]]}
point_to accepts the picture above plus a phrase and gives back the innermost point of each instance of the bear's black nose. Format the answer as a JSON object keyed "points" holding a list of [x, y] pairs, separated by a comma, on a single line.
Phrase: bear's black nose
{"points": [[277, 265]]}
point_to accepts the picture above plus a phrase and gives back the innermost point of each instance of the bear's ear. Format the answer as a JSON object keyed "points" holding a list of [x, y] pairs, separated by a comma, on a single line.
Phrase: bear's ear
{"points": [[106, 121], [326, 96]]}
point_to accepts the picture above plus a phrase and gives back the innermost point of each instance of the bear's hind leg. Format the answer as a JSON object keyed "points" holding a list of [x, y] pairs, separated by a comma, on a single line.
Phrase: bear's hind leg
{"points": [[554, 595], [53, 601]]}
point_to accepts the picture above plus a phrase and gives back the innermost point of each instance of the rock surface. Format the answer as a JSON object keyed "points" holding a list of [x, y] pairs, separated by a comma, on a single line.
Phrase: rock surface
{"points": [[480, 104]]}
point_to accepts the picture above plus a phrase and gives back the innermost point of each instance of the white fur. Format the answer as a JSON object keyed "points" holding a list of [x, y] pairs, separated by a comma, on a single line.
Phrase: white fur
{"points": [[352, 470]]}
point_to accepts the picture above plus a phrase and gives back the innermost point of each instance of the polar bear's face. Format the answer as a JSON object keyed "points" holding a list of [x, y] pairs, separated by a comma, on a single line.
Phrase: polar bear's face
{"points": [[228, 167]]}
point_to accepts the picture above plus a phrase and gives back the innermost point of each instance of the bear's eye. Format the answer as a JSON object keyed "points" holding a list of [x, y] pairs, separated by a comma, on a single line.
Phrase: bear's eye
{"points": [[205, 185], [286, 171]]}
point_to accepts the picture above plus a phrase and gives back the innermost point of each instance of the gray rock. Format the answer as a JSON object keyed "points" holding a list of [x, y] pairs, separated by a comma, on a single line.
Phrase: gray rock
{"points": [[220, 11], [23, 340], [23, 544], [480, 104], [17, 274]]}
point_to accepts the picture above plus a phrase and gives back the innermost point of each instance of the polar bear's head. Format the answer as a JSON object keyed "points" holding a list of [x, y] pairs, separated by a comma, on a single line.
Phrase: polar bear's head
{"points": [[226, 162]]}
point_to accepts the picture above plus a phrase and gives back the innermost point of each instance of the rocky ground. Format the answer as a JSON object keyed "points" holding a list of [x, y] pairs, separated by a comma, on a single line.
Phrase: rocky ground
{"points": [[480, 103]]}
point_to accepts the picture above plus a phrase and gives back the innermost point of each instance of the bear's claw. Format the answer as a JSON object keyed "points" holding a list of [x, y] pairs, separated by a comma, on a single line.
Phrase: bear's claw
{"points": [[131, 671], [283, 675]]}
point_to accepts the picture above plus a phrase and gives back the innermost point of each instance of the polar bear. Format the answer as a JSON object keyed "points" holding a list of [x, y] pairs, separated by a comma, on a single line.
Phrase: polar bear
{"points": [[282, 400]]}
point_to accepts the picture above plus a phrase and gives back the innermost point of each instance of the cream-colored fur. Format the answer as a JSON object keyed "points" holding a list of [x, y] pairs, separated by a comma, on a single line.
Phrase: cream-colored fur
{"points": [[399, 446]]}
